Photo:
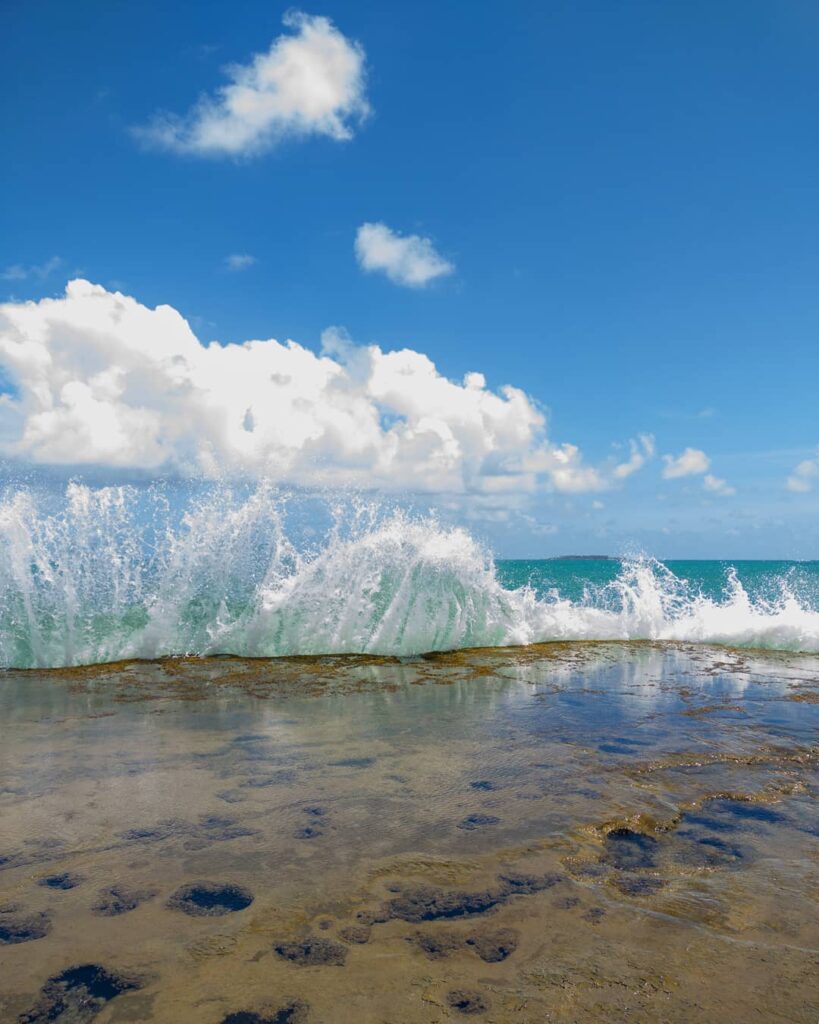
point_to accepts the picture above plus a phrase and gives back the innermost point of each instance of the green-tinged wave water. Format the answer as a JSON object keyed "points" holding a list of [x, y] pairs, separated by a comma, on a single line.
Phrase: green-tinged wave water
{"points": [[96, 575]]}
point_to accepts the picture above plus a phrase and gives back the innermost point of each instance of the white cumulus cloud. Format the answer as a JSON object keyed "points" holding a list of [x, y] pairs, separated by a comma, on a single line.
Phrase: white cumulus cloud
{"points": [[97, 378], [691, 462], [239, 261], [309, 82], [409, 260], [804, 476]]}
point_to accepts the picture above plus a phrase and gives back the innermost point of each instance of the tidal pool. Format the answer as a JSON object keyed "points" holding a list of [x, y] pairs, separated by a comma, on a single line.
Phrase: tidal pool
{"points": [[568, 833]]}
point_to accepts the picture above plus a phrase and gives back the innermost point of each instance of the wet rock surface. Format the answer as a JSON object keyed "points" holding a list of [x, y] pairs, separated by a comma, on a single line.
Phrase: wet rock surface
{"points": [[312, 952], [210, 899], [78, 994]]}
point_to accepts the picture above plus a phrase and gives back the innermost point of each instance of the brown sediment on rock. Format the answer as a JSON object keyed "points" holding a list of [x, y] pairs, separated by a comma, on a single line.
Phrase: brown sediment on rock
{"points": [[711, 709], [767, 756]]}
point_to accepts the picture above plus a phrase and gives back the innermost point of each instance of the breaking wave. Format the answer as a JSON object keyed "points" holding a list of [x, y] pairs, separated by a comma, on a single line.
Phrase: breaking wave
{"points": [[94, 575]]}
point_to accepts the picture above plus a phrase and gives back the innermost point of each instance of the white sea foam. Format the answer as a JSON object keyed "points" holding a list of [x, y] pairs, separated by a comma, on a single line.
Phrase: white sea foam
{"points": [[110, 573]]}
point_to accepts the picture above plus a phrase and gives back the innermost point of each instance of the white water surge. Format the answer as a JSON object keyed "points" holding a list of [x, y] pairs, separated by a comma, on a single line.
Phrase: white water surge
{"points": [[104, 574]]}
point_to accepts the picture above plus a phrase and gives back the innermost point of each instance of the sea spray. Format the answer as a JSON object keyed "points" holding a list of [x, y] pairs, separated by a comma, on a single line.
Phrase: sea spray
{"points": [[91, 575]]}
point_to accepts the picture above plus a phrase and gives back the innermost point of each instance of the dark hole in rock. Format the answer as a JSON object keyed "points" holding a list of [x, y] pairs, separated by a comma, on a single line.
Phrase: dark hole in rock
{"points": [[477, 821], [437, 945], [308, 832], [65, 880], [370, 917], [119, 899], [353, 762], [594, 915], [78, 994], [315, 812], [494, 946], [638, 885], [210, 899], [628, 850], [357, 933], [429, 904], [467, 1001], [14, 930], [293, 1013], [313, 952], [483, 784], [525, 885]]}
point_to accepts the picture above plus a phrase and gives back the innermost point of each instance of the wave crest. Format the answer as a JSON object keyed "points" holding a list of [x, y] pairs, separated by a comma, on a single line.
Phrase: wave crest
{"points": [[101, 574]]}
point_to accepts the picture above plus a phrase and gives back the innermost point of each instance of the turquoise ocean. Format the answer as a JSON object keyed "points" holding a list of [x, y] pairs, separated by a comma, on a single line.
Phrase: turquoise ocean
{"points": [[99, 574]]}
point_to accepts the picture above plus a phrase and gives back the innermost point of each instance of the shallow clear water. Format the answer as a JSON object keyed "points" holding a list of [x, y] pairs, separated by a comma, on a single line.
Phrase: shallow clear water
{"points": [[633, 826]]}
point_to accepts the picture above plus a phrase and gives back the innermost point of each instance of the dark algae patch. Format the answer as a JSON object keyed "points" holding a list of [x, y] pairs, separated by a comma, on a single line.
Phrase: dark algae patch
{"points": [[358, 934], [312, 952], [210, 899], [78, 994], [628, 850], [430, 904], [292, 1013], [119, 899], [474, 821], [467, 1001], [14, 930], [65, 880], [494, 946]]}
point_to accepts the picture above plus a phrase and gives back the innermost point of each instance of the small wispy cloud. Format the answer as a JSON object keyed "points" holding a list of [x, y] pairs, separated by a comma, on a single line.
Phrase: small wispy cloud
{"points": [[39, 272], [716, 485], [408, 260], [642, 450], [240, 261], [309, 82], [691, 462], [804, 476]]}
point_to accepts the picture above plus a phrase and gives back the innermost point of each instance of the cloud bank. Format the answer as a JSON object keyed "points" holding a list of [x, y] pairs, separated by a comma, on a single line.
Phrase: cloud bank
{"points": [[409, 260], [310, 82], [100, 379]]}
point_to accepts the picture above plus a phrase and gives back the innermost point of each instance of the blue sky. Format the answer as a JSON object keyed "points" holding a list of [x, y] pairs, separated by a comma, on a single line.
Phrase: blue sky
{"points": [[627, 194]]}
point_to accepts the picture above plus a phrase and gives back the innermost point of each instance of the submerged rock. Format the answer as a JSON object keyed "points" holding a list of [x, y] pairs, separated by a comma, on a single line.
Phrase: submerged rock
{"points": [[78, 994], [210, 899], [292, 1013], [429, 904]]}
